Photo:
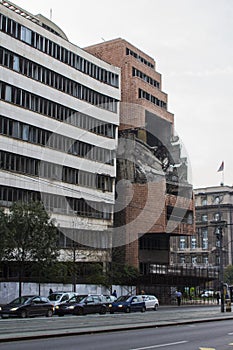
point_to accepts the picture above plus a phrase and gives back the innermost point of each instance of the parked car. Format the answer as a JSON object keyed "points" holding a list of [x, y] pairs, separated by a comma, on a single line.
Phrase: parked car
{"points": [[207, 294], [127, 303], [108, 299], [27, 306], [57, 298], [151, 302], [82, 305]]}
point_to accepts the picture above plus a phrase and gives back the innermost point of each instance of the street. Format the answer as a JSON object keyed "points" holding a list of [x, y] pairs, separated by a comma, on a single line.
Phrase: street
{"points": [[78, 324], [214, 335]]}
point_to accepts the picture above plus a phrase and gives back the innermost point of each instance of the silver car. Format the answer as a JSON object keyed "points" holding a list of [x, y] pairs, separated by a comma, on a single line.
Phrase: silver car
{"points": [[151, 302]]}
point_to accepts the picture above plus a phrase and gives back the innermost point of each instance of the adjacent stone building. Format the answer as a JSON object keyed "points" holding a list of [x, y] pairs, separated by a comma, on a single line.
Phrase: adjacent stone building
{"points": [[212, 204]]}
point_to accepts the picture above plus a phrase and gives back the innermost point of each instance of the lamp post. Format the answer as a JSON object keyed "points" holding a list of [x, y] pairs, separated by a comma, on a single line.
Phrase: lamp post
{"points": [[220, 224]]}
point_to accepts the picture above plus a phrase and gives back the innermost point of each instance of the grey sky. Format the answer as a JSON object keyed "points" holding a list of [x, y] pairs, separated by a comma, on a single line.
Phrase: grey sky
{"points": [[192, 43]]}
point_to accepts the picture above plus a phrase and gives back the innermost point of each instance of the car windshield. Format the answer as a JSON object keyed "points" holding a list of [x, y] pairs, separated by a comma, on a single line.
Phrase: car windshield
{"points": [[55, 297], [21, 300], [123, 298]]}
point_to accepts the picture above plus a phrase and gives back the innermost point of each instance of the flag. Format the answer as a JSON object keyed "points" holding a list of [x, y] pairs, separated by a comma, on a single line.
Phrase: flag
{"points": [[221, 168]]}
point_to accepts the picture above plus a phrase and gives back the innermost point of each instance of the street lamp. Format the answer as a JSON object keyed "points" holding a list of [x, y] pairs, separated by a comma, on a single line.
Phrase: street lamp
{"points": [[220, 224]]}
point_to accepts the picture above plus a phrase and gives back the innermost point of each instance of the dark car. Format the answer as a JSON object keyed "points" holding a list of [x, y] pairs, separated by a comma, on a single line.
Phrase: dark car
{"points": [[28, 306], [127, 304], [82, 305]]}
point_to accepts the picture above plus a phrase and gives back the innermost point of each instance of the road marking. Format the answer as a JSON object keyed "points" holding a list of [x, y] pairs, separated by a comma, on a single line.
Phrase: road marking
{"points": [[206, 348], [161, 345]]}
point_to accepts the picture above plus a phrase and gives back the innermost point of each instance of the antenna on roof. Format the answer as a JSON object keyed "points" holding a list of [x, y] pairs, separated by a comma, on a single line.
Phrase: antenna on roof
{"points": [[51, 14], [103, 39]]}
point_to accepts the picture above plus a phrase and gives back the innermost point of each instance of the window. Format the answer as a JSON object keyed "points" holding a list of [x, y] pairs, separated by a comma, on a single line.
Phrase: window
{"points": [[8, 93], [217, 216], [204, 200], [182, 242], [194, 260], [193, 242], [26, 35], [204, 238], [216, 199], [182, 259], [151, 98], [205, 260], [16, 63], [204, 218]]}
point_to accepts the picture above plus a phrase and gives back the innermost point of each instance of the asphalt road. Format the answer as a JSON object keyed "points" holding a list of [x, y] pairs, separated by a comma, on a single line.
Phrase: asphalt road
{"points": [[215, 335]]}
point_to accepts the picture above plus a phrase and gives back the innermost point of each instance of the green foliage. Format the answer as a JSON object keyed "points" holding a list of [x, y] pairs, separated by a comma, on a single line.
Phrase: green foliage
{"points": [[30, 236], [3, 233], [122, 274], [228, 275]]}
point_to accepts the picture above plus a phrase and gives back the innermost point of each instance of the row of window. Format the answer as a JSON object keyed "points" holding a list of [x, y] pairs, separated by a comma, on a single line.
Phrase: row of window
{"points": [[88, 95], [204, 217], [145, 77], [56, 51], [138, 57], [29, 133], [193, 243], [151, 98], [35, 167], [57, 81], [56, 204], [35, 103], [194, 260], [24, 14], [216, 199]]}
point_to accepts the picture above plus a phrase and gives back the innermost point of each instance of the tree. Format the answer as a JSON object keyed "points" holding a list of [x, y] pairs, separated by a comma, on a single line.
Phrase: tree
{"points": [[228, 275], [3, 233], [31, 237]]}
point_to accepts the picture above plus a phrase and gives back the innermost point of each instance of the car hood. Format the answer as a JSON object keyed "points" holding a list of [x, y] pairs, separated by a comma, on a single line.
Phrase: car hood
{"points": [[120, 303], [10, 306]]}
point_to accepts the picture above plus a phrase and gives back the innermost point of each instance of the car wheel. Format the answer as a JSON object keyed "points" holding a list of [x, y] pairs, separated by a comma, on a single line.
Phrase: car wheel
{"points": [[103, 311], [143, 309], [156, 307], [23, 314], [79, 311], [49, 313], [127, 310]]}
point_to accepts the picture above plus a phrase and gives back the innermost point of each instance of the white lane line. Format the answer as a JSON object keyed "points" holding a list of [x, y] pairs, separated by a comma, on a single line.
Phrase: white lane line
{"points": [[160, 345]]}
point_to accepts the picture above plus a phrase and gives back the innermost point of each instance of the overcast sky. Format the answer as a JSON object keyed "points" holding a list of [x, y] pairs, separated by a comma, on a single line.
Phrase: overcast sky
{"points": [[192, 44]]}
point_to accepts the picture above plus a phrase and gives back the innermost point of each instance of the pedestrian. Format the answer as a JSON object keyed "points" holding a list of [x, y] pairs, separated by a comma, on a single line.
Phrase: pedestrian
{"points": [[50, 291], [178, 297], [114, 293], [217, 297]]}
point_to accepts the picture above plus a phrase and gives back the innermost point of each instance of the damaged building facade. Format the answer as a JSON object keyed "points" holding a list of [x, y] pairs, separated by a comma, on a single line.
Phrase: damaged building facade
{"points": [[154, 200]]}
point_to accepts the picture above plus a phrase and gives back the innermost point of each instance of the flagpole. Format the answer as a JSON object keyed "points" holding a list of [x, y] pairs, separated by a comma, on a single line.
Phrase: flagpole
{"points": [[221, 168]]}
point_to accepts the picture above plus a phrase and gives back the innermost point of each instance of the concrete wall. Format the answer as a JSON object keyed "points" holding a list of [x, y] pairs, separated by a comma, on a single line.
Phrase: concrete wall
{"points": [[10, 290]]}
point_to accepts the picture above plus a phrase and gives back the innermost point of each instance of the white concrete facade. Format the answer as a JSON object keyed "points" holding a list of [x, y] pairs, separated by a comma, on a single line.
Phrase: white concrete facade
{"points": [[14, 81]]}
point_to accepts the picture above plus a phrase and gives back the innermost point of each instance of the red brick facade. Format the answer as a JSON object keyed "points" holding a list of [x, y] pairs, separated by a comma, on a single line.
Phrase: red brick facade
{"points": [[133, 116]]}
